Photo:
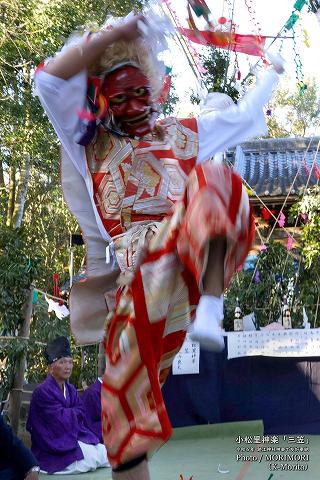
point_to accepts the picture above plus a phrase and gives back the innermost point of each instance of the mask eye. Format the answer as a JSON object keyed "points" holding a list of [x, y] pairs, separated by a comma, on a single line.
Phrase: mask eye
{"points": [[139, 92], [118, 99]]}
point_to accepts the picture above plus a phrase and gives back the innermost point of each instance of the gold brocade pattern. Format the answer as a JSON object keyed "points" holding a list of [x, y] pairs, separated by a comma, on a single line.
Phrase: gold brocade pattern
{"points": [[135, 182]]}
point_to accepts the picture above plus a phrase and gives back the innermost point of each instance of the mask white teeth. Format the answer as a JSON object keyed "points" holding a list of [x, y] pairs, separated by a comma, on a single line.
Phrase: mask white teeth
{"points": [[137, 120]]}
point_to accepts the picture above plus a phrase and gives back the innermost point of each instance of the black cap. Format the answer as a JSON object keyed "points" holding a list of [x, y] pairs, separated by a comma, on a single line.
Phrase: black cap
{"points": [[58, 348]]}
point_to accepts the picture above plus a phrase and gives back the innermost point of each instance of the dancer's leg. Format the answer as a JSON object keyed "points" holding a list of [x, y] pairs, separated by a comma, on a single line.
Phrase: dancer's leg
{"points": [[214, 240], [213, 278], [207, 325], [136, 469]]}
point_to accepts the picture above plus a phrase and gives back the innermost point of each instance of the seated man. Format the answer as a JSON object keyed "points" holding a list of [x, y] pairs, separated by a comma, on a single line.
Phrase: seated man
{"points": [[61, 439], [16, 460], [91, 400]]}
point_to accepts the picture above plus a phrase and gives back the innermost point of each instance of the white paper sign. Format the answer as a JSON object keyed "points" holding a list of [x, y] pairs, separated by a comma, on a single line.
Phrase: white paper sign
{"points": [[188, 358], [275, 343]]}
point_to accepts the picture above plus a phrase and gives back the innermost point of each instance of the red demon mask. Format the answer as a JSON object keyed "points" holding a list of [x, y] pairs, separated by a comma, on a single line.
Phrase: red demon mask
{"points": [[128, 94]]}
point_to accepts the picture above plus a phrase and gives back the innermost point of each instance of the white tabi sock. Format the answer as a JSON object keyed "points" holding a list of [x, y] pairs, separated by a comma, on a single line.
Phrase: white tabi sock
{"points": [[206, 328]]}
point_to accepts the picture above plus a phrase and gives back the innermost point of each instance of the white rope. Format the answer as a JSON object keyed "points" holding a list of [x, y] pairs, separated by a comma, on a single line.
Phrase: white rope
{"points": [[51, 296], [292, 185], [276, 218]]}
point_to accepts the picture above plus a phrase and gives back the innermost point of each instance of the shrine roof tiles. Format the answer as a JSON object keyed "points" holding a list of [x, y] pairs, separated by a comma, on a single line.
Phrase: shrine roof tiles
{"points": [[271, 166]]}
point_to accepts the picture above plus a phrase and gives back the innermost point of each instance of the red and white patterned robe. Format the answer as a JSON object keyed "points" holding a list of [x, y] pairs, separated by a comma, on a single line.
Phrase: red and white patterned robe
{"points": [[155, 185]]}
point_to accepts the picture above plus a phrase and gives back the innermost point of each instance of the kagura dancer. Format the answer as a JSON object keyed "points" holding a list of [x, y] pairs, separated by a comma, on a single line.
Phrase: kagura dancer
{"points": [[178, 224]]}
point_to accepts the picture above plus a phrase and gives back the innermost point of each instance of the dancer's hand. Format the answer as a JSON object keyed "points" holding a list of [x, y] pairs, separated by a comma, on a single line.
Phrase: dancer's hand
{"points": [[131, 30], [277, 61]]}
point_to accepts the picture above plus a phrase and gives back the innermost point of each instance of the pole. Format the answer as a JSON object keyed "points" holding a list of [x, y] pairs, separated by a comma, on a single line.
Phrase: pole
{"points": [[101, 360], [17, 388]]}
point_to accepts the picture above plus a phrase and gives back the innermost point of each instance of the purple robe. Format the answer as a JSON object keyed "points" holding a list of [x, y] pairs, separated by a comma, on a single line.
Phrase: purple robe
{"points": [[91, 399], [56, 424]]}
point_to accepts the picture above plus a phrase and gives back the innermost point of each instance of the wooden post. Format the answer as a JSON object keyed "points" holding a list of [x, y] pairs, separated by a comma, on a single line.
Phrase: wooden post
{"points": [[16, 391], [101, 360]]}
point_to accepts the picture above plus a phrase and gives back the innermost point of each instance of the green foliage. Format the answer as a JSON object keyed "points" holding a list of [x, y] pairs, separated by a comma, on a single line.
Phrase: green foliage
{"points": [[11, 352], [18, 267], [308, 292], [87, 370], [169, 106], [30, 31], [261, 291], [216, 80], [278, 274], [309, 206], [295, 114], [49, 225]]}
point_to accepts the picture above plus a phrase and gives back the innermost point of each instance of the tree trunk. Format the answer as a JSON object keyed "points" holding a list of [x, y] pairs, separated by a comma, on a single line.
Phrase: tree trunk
{"points": [[1, 176], [21, 193], [12, 194], [16, 391]]}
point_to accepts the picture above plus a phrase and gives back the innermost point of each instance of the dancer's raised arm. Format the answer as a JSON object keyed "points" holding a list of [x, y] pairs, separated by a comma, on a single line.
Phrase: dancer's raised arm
{"points": [[82, 56]]}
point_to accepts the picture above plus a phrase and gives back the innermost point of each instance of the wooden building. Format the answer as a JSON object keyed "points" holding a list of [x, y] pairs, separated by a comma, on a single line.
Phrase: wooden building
{"points": [[277, 171]]}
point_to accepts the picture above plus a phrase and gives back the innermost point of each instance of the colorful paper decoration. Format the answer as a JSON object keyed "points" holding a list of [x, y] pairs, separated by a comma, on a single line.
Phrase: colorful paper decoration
{"points": [[249, 44], [266, 213], [317, 171], [166, 87], [56, 289], [97, 103], [193, 53], [35, 297], [282, 220], [200, 8], [222, 20], [61, 311], [299, 4], [289, 243], [257, 278], [253, 17], [306, 169], [249, 191], [292, 20], [306, 40]]}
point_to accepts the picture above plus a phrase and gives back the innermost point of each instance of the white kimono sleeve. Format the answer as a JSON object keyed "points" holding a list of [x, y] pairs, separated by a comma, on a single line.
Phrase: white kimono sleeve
{"points": [[237, 123], [62, 101]]}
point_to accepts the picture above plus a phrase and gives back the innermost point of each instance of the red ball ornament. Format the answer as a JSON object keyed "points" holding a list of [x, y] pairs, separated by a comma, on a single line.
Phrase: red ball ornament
{"points": [[222, 20]]}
